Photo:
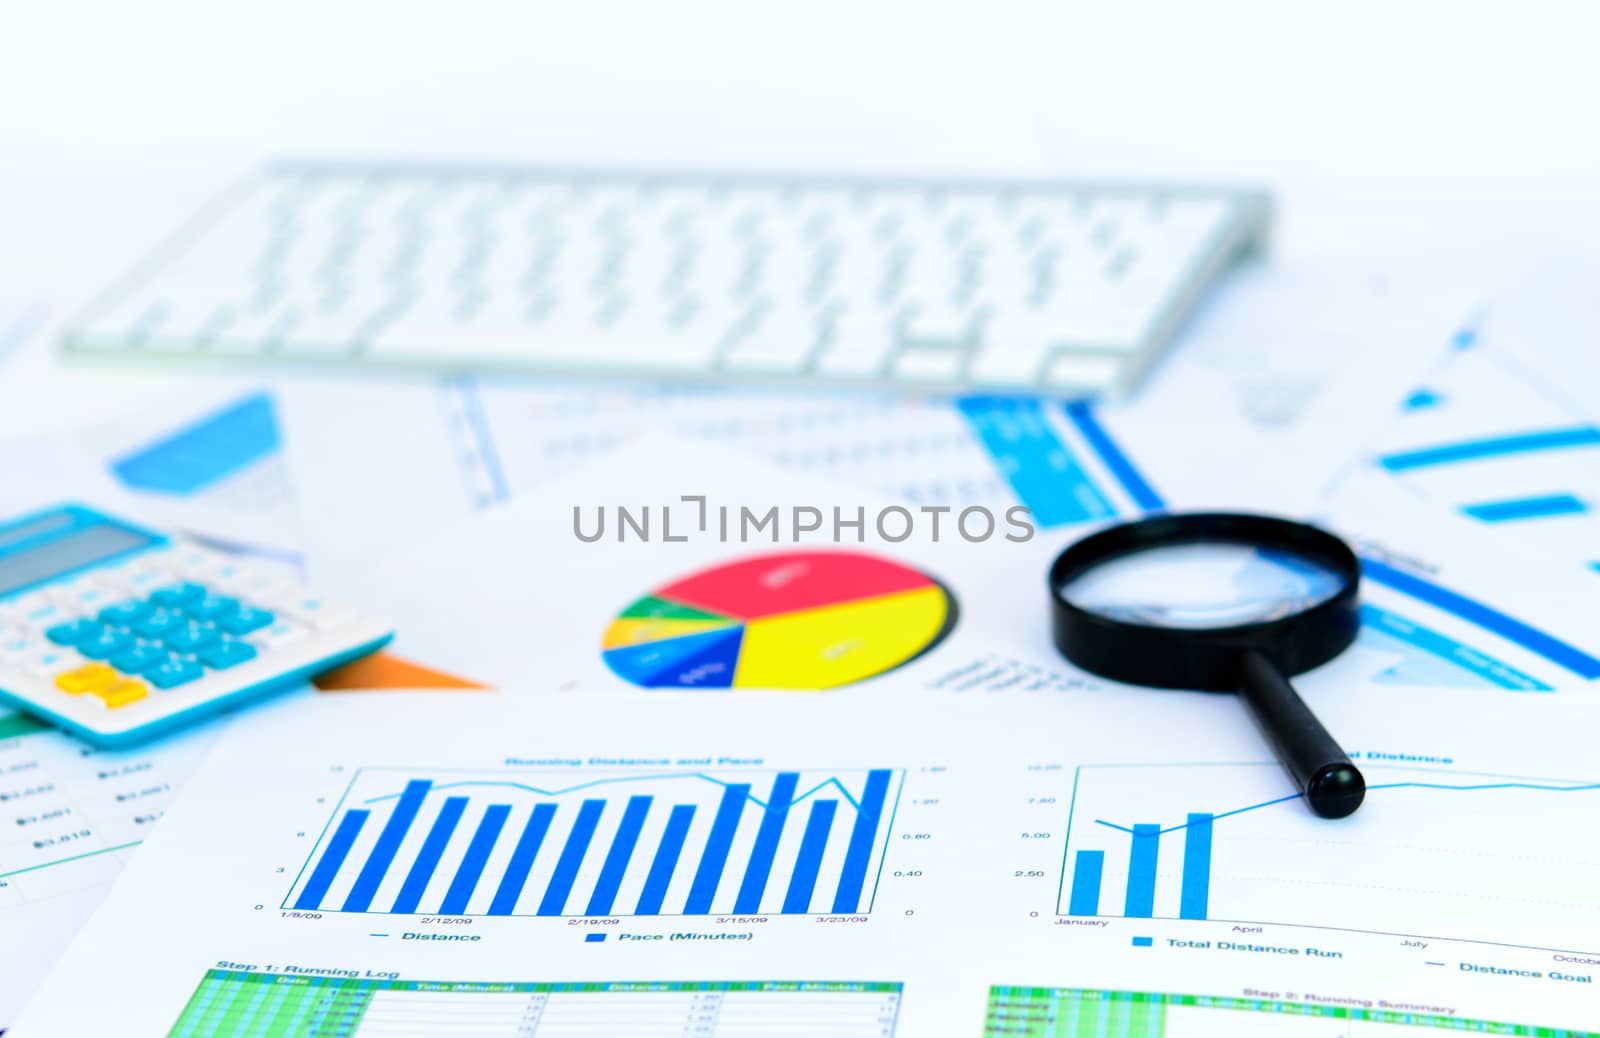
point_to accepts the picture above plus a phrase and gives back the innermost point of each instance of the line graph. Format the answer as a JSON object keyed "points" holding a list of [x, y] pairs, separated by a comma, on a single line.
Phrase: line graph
{"points": [[1434, 852], [670, 842]]}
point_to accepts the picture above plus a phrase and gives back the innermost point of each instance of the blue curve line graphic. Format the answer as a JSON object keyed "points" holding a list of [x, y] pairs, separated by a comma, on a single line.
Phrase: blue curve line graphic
{"points": [[465, 783], [1385, 785]]}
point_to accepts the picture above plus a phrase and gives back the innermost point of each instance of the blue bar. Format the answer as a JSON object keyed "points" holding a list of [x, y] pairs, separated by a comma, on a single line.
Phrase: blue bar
{"points": [[1526, 508], [467, 876], [803, 881], [555, 897], [1196, 893], [756, 873], [428, 859], [1081, 414], [1493, 447], [858, 853], [709, 875], [382, 856], [1086, 873], [1032, 458], [1141, 900], [332, 860], [206, 451], [1493, 621], [616, 863], [522, 858], [666, 860]]}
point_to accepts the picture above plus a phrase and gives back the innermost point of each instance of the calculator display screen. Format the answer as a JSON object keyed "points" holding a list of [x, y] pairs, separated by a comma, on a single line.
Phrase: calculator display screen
{"points": [[89, 544]]}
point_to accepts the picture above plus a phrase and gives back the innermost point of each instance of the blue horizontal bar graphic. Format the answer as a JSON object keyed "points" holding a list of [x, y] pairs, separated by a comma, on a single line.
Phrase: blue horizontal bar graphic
{"points": [[1526, 508], [1081, 414], [1492, 447], [206, 451], [1040, 468], [1492, 620]]}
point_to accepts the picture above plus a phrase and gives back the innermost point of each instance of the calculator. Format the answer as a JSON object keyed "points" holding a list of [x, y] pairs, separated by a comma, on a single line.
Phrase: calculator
{"points": [[118, 633]]}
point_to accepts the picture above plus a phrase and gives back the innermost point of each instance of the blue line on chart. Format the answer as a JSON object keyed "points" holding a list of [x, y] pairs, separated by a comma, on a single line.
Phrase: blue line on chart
{"points": [[1081, 414], [1526, 508], [1538, 787], [1492, 447], [1492, 620], [819, 787], [478, 419]]}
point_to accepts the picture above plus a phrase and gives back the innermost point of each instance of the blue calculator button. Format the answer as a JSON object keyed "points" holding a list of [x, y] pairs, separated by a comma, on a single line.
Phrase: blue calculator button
{"points": [[139, 658], [191, 636], [178, 595], [174, 672], [159, 623], [105, 642], [247, 619], [125, 612], [212, 607], [226, 653], [72, 632]]}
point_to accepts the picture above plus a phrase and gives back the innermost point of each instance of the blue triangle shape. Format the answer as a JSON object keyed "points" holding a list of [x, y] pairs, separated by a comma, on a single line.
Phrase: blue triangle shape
{"points": [[704, 660]]}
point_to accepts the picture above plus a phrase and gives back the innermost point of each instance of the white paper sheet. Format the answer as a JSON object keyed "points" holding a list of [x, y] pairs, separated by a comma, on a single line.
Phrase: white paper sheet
{"points": [[513, 592], [1464, 885], [70, 819]]}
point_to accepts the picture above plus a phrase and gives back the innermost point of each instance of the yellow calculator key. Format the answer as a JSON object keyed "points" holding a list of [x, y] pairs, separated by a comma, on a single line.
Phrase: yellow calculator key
{"points": [[122, 693], [88, 678]]}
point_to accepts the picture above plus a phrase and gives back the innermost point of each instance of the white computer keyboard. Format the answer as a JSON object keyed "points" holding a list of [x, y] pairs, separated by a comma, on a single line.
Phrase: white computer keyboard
{"points": [[1047, 287]]}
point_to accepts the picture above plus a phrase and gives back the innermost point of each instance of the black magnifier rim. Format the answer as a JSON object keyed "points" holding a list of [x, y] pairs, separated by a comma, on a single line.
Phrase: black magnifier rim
{"points": [[1205, 658]]}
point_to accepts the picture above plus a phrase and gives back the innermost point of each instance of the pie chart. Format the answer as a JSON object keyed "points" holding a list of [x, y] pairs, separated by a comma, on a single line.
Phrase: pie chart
{"points": [[784, 620]]}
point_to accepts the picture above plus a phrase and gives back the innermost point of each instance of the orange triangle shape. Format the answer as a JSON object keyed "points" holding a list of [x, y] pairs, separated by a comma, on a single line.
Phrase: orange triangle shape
{"points": [[382, 671]]}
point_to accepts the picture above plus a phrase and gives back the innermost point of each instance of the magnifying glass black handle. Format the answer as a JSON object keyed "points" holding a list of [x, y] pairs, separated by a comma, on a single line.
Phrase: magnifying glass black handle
{"points": [[1332, 786]]}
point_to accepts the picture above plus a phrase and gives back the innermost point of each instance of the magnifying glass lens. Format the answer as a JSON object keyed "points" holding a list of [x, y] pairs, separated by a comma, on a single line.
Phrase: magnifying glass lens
{"points": [[1202, 585], [1220, 602]]}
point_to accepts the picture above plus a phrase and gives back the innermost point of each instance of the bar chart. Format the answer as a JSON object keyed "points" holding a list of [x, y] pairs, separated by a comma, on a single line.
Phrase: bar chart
{"points": [[596, 844], [1433, 852]]}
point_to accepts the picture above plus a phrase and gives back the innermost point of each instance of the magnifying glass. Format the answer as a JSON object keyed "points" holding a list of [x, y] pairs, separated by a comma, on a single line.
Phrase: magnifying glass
{"points": [[1223, 603]]}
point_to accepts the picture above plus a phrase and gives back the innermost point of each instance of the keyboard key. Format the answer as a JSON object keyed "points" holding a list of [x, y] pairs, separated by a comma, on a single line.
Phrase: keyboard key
{"points": [[174, 672], [313, 610], [72, 632], [125, 613], [178, 595], [48, 661], [105, 642], [82, 595], [122, 693], [925, 364], [191, 637], [159, 623], [39, 609], [87, 678], [227, 653], [139, 658], [212, 607], [247, 619], [278, 635], [16, 642]]}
